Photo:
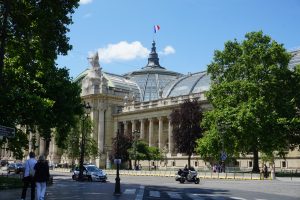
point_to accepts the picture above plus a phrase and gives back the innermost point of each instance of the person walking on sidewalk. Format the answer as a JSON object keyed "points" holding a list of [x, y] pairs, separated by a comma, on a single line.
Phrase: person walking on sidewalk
{"points": [[41, 177], [28, 176]]}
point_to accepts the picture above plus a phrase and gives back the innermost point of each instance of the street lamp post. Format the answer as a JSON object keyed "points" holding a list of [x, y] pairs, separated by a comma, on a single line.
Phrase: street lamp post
{"points": [[117, 162], [87, 109]]}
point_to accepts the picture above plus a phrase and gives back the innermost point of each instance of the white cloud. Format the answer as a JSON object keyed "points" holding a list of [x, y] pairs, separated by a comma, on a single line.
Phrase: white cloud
{"points": [[168, 50], [85, 1], [122, 51]]}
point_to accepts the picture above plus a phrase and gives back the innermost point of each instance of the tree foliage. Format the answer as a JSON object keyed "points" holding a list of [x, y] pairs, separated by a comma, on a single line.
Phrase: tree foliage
{"points": [[124, 147], [186, 127], [253, 98], [83, 126], [142, 151], [121, 143], [34, 92]]}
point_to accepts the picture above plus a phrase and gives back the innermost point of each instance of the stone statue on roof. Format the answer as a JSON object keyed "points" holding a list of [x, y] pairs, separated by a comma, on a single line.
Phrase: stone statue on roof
{"points": [[94, 61]]}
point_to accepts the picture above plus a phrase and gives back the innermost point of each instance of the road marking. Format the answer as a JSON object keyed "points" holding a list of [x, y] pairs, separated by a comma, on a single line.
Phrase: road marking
{"points": [[237, 198], [140, 193], [154, 194], [130, 191], [260, 199], [174, 195], [204, 196]]}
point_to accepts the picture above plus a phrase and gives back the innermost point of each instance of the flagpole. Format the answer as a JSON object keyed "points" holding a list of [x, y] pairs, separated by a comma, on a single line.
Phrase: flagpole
{"points": [[155, 29], [153, 33]]}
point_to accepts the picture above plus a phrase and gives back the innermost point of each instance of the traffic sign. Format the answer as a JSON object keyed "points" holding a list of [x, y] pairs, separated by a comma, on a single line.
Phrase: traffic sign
{"points": [[117, 161], [7, 131], [223, 156]]}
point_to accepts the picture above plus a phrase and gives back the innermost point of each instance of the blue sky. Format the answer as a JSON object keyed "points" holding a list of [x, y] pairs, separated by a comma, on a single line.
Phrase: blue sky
{"points": [[190, 30]]}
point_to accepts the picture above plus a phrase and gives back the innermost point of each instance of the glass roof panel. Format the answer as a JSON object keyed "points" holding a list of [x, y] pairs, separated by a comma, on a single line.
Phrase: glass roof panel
{"points": [[203, 84], [185, 85], [150, 84], [295, 59]]}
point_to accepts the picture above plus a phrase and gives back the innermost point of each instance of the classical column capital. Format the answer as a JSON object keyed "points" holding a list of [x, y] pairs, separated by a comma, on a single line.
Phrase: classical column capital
{"points": [[101, 105], [151, 119]]}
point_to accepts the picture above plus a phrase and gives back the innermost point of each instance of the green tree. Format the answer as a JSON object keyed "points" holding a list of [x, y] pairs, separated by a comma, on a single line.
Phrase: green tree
{"points": [[83, 126], [186, 127], [138, 151], [121, 144], [252, 93], [33, 91], [153, 153]]}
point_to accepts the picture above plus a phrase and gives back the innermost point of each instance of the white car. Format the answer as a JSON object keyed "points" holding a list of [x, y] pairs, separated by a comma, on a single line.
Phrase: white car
{"points": [[91, 173]]}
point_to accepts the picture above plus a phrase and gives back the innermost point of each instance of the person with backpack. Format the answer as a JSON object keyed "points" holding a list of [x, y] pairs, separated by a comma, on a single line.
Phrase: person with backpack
{"points": [[29, 176], [41, 177]]}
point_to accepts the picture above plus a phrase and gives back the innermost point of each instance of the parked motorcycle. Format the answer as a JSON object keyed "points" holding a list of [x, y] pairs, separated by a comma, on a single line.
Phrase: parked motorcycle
{"points": [[187, 175]]}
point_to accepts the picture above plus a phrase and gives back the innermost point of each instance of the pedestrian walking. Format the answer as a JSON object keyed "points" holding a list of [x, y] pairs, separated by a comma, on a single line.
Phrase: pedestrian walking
{"points": [[28, 176], [41, 177]]}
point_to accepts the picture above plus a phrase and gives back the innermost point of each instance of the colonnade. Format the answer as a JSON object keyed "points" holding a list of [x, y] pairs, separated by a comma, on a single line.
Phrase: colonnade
{"points": [[157, 131]]}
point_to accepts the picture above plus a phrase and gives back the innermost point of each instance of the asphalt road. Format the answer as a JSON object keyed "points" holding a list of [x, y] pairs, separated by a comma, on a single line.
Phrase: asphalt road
{"points": [[165, 188]]}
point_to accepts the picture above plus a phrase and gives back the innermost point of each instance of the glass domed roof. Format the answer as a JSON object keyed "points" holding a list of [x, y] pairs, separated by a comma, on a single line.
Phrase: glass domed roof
{"points": [[152, 78], [191, 83], [295, 60]]}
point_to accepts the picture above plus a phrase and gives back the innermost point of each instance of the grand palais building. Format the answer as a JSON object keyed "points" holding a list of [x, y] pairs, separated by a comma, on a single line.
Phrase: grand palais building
{"points": [[141, 101]]}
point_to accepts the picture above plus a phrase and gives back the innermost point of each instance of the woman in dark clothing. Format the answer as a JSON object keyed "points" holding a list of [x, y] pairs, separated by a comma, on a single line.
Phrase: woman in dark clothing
{"points": [[41, 176]]}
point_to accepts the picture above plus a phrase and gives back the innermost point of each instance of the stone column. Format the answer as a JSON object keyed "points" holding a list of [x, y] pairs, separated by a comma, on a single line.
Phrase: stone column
{"points": [[42, 144], [101, 130], [30, 141], [160, 132], [55, 158], [150, 131], [133, 126], [125, 127], [170, 136], [94, 118], [115, 127], [142, 129]]}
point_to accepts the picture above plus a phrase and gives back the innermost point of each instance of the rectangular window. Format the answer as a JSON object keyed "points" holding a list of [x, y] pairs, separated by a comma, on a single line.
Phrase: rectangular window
{"points": [[196, 164], [173, 164], [237, 163], [250, 164], [283, 164]]}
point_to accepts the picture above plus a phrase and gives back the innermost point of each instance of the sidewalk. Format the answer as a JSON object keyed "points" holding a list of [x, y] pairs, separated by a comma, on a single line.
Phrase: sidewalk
{"points": [[289, 179], [69, 189], [15, 194]]}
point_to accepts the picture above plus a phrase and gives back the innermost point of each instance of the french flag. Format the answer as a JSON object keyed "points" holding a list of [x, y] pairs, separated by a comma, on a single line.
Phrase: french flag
{"points": [[156, 28]]}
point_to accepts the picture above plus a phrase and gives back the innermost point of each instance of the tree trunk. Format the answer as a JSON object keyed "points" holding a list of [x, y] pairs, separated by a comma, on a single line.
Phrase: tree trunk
{"points": [[255, 168], [189, 160], [130, 164], [3, 38]]}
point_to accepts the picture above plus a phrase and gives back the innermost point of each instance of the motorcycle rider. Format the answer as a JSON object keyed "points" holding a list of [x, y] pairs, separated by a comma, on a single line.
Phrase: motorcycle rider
{"points": [[185, 171]]}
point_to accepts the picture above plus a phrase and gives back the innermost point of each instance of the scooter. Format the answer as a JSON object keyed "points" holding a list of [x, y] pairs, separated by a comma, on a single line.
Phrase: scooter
{"points": [[189, 176]]}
